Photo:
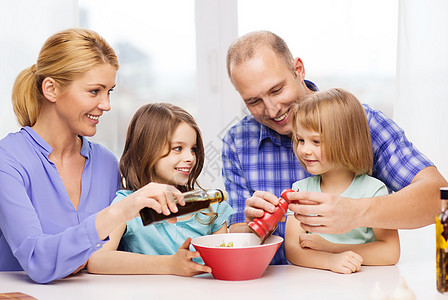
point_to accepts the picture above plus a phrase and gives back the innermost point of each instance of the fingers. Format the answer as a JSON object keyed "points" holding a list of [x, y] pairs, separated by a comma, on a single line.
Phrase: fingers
{"points": [[351, 262], [186, 244], [259, 203], [306, 197], [162, 198]]}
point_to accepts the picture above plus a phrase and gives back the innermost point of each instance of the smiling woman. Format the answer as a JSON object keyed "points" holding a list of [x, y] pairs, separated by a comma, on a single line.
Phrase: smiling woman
{"points": [[54, 182]]}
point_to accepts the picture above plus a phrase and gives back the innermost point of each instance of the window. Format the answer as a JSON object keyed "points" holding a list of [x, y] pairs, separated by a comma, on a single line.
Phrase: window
{"points": [[156, 50], [349, 44]]}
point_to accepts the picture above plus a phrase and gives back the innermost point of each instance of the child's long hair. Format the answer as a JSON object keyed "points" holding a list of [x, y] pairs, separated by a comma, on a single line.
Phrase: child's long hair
{"points": [[341, 121], [149, 139]]}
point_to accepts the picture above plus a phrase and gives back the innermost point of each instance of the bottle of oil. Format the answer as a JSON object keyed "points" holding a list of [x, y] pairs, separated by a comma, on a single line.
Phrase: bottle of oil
{"points": [[194, 201], [441, 243]]}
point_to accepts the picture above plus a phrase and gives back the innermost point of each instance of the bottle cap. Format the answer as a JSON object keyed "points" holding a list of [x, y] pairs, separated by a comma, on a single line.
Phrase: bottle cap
{"points": [[444, 193], [225, 195]]}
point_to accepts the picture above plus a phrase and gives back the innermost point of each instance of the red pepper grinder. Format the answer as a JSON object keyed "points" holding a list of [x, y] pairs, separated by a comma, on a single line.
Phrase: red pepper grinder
{"points": [[264, 226]]}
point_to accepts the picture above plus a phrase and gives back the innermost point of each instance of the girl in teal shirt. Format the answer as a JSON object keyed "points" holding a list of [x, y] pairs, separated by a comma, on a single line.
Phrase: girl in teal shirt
{"points": [[163, 145], [331, 139]]}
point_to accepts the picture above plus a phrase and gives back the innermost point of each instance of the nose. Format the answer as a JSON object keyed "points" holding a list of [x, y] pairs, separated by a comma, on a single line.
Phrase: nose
{"points": [[271, 108], [104, 103], [304, 149], [188, 156]]}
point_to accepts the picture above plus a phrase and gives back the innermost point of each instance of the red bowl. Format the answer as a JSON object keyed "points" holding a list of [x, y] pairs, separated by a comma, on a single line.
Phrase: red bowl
{"points": [[245, 260]]}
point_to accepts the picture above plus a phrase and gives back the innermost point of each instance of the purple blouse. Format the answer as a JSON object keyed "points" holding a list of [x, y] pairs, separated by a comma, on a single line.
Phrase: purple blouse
{"points": [[40, 230]]}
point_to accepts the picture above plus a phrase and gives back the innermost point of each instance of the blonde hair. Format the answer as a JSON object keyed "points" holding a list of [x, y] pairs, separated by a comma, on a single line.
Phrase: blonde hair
{"points": [[245, 47], [64, 57], [341, 121]]}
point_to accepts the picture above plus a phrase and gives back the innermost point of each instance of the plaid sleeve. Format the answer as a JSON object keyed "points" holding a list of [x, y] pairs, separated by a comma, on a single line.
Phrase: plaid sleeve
{"points": [[234, 179], [396, 160]]}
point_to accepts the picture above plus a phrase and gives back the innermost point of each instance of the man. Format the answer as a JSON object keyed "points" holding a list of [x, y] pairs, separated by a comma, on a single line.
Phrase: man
{"points": [[259, 162]]}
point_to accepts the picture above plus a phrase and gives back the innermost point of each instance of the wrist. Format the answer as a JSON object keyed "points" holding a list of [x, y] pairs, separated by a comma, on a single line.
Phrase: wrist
{"points": [[363, 211]]}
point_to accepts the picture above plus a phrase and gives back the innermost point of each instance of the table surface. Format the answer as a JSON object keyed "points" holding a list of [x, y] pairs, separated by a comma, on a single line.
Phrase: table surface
{"points": [[278, 282]]}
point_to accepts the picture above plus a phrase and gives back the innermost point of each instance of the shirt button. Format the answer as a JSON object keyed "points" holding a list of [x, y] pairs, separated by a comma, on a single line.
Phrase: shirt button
{"points": [[98, 245]]}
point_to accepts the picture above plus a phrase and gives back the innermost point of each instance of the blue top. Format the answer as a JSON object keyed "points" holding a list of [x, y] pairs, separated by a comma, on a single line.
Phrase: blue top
{"points": [[256, 157], [40, 230], [165, 238], [362, 186]]}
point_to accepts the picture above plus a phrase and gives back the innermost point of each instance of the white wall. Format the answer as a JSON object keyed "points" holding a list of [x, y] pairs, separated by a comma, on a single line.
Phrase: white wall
{"points": [[422, 103]]}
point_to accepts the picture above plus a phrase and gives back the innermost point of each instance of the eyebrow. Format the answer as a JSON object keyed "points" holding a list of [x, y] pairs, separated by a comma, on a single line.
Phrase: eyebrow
{"points": [[101, 85], [277, 85]]}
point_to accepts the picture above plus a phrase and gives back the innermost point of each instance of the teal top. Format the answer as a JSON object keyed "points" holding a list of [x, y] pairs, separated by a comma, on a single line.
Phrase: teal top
{"points": [[362, 186], [165, 238]]}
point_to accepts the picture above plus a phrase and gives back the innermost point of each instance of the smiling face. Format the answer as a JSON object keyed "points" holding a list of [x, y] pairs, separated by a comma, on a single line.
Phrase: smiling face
{"points": [[311, 152], [269, 88], [78, 107], [175, 168]]}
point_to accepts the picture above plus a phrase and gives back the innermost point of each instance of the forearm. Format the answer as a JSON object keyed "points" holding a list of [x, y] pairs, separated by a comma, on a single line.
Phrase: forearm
{"points": [[307, 257], [121, 262], [378, 253], [108, 219], [412, 207]]}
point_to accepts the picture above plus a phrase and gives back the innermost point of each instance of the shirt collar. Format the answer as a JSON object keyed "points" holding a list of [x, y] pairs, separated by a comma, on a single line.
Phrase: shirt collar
{"points": [[276, 138], [46, 149]]}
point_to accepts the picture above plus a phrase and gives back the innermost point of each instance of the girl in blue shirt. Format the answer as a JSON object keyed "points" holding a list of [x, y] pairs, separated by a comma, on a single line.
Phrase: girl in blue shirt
{"points": [[331, 139], [163, 145]]}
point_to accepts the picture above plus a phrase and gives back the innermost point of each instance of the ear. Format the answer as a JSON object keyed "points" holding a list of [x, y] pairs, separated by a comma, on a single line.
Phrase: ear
{"points": [[299, 68], [49, 89]]}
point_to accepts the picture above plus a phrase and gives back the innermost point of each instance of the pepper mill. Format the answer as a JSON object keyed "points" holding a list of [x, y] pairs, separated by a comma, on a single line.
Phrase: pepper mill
{"points": [[264, 226]]}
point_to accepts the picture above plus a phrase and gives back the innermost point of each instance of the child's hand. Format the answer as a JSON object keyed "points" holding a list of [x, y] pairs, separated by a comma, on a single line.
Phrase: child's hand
{"points": [[182, 263], [315, 242], [345, 262]]}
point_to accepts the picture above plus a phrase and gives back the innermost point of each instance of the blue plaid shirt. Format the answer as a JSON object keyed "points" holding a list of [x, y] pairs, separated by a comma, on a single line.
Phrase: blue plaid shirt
{"points": [[256, 157]]}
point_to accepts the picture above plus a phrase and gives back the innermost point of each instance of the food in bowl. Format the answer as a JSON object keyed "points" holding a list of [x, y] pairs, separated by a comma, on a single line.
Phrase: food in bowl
{"points": [[229, 244], [246, 260]]}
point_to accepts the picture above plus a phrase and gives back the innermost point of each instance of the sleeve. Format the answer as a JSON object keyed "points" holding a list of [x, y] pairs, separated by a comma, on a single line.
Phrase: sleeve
{"points": [[234, 180], [396, 160], [224, 211], [381, 190], [44, 257]]}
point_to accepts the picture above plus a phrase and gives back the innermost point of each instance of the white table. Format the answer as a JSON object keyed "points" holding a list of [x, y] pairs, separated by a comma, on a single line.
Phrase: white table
{"points": [[278, 282]]}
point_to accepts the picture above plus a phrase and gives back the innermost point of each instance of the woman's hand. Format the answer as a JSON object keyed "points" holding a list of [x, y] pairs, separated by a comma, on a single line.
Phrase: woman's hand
{"points": [[80, 268], [160, 197], [182, 263]]}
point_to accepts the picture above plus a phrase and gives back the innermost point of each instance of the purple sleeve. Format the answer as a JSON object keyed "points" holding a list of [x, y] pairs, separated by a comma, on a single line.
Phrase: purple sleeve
{"points": [[44, 257]]}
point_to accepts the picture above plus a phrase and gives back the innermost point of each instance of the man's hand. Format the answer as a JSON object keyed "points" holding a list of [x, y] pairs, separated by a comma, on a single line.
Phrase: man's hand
{"points": [[325, 213], [258, 204]]}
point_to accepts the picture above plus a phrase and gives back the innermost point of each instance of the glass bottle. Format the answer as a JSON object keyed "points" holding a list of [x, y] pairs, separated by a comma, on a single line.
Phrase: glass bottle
{"points": [[441, 243], [265, 225], [194, 201]]}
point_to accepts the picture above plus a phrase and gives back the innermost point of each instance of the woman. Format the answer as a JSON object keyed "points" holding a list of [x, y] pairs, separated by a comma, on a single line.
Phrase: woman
{"points": [[55, 185]]}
